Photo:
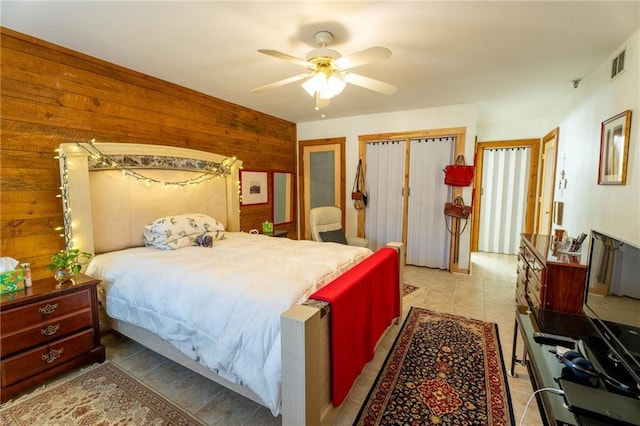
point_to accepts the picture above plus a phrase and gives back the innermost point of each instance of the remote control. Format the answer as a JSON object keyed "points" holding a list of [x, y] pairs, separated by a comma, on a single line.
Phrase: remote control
{"points": [[553, 339]]}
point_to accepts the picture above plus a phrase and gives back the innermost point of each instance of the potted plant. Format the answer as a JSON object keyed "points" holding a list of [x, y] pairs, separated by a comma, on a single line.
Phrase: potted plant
{"points": [[67, 264]]}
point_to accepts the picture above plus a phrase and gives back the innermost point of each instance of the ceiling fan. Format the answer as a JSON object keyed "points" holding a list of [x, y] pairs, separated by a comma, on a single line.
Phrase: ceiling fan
{"points": [[328, 71]]}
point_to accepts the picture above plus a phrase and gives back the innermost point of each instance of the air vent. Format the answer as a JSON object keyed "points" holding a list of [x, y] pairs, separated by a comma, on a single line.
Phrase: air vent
{"points": [[617, 65]]}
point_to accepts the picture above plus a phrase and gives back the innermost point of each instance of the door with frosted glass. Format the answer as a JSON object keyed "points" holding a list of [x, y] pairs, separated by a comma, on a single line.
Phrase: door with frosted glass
{"points": [[322, 177]]}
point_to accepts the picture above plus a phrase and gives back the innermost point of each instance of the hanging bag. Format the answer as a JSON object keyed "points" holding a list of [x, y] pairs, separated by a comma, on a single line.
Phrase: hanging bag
{"points": [[358, 195], [457, 208], [458, 174], [457, 211]]}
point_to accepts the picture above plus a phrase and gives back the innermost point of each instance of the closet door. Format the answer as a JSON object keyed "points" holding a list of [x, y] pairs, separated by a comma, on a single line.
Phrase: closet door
{"points": [[428, 240], [385, 180]]}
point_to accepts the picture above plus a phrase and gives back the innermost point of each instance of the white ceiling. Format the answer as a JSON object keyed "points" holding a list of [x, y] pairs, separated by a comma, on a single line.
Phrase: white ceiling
{"points": [[512, 59]]}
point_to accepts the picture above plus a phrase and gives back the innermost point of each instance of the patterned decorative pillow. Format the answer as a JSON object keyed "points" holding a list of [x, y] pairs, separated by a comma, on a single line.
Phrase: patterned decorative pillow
{"points": [[335, 236], [174, 232]]}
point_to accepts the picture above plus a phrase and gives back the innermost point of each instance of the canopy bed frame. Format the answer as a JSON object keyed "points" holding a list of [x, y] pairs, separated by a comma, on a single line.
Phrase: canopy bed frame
{"points": [[104, 212]]}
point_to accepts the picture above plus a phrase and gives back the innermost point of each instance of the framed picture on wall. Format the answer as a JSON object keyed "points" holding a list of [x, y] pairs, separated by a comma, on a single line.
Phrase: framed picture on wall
{"points": [[254, 187], [614, 149]]}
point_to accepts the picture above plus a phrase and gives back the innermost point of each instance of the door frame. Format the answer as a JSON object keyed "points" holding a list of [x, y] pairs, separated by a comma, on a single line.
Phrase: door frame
{"points": [[340, 142], [552, 137]]}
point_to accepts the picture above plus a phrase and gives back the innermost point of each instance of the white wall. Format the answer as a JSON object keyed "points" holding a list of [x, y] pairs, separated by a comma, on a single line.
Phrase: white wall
{"points": [[510, 129], [614, 209], [401, 121]]}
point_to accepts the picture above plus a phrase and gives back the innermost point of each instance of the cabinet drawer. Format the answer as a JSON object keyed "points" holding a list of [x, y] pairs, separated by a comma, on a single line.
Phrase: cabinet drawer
{"points": [[535, 269], [520, 298], [534, 299], [525, 255], [44, 357], [534, 285], [37, 334], [529, 260], [520, 286], [13, 320]]}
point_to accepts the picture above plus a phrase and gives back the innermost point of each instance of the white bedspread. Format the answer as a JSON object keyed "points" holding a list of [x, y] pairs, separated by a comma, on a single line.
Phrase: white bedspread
{"points": [[221, 306]]}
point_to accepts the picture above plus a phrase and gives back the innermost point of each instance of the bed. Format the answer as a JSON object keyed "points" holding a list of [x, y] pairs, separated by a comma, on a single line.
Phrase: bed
{"points": [[112, 191]]}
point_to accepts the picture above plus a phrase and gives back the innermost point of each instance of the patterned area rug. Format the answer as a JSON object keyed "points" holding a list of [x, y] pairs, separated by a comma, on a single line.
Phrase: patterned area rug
{"points": [[102, 395], [442, 370], [408, 289]]}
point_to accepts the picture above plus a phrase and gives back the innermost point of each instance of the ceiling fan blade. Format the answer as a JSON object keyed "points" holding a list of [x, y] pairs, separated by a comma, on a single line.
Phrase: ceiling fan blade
{"points": [[373, 54], [370, 83], [280, 83], [286, 57]]}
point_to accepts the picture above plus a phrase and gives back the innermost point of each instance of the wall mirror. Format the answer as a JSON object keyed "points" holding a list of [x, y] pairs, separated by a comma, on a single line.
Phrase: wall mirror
{"points": [[282, 197]]}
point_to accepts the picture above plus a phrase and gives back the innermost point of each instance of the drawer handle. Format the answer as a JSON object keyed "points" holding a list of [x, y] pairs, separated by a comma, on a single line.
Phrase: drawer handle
{"points": [[51, 329], [52, 355], [48, 309]]}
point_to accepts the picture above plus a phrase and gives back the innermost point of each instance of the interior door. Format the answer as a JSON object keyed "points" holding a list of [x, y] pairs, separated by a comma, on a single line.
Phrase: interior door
{"points": [[547, 179], [322, 169], [478, 194], [428, 240], [459, 134]]}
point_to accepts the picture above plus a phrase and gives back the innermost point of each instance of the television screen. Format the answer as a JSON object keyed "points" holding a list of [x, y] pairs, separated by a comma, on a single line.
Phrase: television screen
{"points": [[612, 303]]}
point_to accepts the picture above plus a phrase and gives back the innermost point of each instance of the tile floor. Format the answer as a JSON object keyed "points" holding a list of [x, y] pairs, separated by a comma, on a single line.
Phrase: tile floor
{"points": [[485, 294]]}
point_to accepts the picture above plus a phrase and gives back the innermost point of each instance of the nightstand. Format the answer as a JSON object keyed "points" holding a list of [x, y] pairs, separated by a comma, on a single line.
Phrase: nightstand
{"points": [[47, 331]]}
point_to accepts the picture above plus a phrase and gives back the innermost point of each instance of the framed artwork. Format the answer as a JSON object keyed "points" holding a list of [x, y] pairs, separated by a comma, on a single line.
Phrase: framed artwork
{"points": [[254, 187], [614, 149]]}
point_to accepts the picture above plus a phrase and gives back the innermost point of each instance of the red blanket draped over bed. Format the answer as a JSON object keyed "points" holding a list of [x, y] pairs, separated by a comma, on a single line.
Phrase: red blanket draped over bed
{"points": [[364, 301]]}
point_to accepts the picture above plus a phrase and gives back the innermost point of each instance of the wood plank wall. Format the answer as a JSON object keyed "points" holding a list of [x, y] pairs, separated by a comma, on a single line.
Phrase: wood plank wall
{"points": [[51, 95]]}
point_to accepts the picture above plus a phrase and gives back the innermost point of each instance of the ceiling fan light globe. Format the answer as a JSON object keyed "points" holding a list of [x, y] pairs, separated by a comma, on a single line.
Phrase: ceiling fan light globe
{"points": [[333, 87], [314, 84], [325, 87]]}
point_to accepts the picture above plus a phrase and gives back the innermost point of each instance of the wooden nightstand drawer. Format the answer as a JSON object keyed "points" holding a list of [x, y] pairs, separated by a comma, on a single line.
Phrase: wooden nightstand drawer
{"points": [[46, 330], [44, 357], [48, 310], [36, 334]]}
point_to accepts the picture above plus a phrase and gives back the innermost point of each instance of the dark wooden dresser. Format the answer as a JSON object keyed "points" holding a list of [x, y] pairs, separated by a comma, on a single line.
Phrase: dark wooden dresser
{"points": [[548, 279], [45, 331]]}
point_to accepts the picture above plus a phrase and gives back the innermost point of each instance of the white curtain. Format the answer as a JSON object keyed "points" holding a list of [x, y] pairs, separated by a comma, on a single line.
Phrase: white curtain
{"points": [[428, 240], [384, 178], [504, 196]]}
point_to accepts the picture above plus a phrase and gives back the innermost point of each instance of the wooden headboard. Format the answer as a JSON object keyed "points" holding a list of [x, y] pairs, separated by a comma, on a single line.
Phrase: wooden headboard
{"points": [[104, 211]]}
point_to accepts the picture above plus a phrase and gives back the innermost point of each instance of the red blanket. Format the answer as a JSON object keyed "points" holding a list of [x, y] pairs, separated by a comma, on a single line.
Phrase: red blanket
{"points": [[364, 301]]}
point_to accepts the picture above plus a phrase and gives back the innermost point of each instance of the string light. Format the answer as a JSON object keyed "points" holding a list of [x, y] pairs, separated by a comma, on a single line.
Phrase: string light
{"points": [[66, 208], [99, 160], [118, 162]]}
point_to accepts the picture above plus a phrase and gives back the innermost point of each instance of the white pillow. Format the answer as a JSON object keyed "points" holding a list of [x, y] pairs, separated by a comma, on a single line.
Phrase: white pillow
{"points": [[174, 232]]}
